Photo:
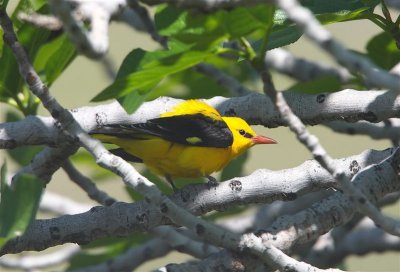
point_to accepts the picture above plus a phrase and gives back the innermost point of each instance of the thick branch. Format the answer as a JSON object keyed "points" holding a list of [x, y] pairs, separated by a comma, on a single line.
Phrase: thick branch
{"points": [[121, 219], [349, 105], [47, 162], [389, 129], [303, 69], [367, 238], [335, 210]]}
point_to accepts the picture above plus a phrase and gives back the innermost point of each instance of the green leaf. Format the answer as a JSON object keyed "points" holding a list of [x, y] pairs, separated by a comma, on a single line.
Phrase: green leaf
{"points": [[340, 7], [383, 51], [343, 16], [245, 20], [202, 31], [284, 36], [139, 60], [1, 41], [327, 12], [104, 249], [152, 71], [170, 20], [18, 207], [321, 85], [22, 154], [37, 4], [332, 11], [31, 38], [3, 4], [54, 57], [133, 100], [10, 78]]}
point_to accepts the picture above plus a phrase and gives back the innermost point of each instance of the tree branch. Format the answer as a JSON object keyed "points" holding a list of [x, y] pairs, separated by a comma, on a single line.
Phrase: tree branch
{"points": [[349, 105], [356, 197], [87, 185], [302, 69], [332, 211], [321, 36], [389, 129], [29, 263], [61, 205], [121, 219], [132, 258], [223, 79], [47, 162], [366, 239]]}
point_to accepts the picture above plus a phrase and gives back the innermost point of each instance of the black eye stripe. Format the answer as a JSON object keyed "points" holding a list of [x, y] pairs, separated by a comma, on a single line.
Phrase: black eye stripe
{"points": [[245, 134], [248, 135]]}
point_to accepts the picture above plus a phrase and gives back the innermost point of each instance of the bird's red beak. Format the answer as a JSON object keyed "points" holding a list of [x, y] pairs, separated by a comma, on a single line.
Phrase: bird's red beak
{"points": [[263, 140]]}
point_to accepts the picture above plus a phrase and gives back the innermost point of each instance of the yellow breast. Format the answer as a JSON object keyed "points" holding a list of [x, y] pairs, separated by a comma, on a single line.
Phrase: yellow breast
{"points": [[176, 160]]}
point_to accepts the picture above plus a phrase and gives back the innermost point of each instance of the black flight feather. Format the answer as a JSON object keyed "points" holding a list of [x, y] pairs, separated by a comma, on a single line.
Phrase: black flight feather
{"points": [[193, 130], [125, 155]]}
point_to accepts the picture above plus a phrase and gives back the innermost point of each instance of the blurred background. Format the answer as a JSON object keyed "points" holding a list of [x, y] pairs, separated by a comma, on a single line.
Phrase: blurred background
{"points": [[84, 78]]}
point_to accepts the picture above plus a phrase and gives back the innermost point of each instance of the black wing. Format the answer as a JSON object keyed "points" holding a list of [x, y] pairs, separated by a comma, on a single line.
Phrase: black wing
{"points": [[125, 155], [193, 129]]}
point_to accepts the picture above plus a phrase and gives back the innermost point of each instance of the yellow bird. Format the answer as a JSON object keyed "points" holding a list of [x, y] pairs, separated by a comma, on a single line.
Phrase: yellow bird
{"points": [[192, 140]]}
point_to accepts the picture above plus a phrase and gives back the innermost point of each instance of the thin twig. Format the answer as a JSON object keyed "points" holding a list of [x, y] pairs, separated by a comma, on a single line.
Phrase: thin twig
{"points": [[302, 69], [87, 185], [221, 78], [388, 129], [183, 243], [29, 263], [60, 205], [147, 22], [93, 43], [40, 20], [132, 258]]}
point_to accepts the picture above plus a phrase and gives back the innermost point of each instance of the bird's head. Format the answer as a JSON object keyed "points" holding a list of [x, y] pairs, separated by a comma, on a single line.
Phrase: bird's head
{"points": [[244, 136]]}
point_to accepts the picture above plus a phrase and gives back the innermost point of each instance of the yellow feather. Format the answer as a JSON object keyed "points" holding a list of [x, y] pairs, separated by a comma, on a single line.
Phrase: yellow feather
{"points": [[193, 107]]}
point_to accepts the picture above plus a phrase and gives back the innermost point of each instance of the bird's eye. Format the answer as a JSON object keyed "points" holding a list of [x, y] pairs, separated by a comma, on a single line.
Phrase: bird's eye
{"points": [[245, 134]]}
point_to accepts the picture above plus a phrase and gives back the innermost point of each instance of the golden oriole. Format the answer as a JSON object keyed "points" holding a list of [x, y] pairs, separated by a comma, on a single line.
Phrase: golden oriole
{"points": [[192, 140]]}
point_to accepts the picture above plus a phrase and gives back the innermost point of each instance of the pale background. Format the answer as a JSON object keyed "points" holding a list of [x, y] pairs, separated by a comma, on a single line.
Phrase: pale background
{"points": [[84, 78]]}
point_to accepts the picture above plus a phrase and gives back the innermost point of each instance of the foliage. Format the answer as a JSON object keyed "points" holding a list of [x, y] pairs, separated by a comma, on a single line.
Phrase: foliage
{"points": [[18, 206]]}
